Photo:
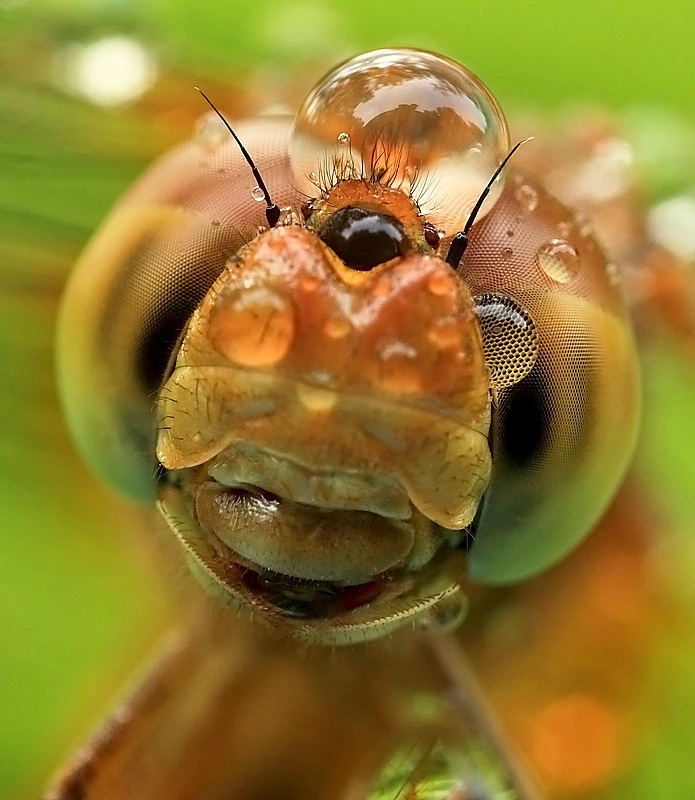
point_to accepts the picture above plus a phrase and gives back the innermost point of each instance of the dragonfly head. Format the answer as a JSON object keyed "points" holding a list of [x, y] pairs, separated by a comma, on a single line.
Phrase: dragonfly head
{"points": [[325, 425]]}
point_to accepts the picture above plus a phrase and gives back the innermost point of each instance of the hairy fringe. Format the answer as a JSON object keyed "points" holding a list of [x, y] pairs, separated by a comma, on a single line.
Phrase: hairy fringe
{"points": [[383, 167]]}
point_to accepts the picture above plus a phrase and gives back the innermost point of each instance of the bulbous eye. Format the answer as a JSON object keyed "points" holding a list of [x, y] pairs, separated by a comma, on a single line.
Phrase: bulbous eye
{"points": [[561, 357], [138, 282], [126, 307], [364, 239], [406, 118]]}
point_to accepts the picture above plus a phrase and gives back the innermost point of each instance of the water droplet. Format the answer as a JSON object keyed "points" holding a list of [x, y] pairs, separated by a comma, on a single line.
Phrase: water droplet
{"points": [[382, 287], [312, 176], [210, 132], [445, 334], [215, 223], [507, 253], [253, 327], [399, 372], [309, 283], [527, 196], [441, 283], [337, 327], [613, 272], [414, 119], [558, 259], [564, 228], [257, 194]]}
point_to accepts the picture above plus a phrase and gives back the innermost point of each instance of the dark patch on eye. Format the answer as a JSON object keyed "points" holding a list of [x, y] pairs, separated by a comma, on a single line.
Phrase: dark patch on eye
{"points": [[157, 288], [161, 342], [525, 421]]}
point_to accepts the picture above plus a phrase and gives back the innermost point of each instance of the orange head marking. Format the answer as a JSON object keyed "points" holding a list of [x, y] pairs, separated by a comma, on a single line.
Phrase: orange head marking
{"points": [[405, 328]]}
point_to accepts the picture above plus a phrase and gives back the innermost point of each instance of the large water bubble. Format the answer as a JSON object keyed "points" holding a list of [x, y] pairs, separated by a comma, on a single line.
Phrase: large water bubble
{"points": [[407, 118]]}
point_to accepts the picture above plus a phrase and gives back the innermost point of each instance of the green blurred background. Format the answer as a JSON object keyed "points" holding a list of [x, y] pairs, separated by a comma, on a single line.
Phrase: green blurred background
{"points": [[80, 600]]}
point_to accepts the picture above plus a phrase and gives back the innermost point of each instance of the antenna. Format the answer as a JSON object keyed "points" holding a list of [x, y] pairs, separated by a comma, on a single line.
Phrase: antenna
{"points": [[272, 212], [459, 243]]}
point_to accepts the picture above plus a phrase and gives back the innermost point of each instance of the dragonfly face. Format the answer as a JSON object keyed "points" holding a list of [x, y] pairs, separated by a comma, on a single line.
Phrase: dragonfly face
{"points": [[315, 380], [336, 411]]}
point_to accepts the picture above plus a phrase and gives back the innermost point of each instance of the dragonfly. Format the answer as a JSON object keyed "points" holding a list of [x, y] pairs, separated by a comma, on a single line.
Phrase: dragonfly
{"points": [[358, 361]]}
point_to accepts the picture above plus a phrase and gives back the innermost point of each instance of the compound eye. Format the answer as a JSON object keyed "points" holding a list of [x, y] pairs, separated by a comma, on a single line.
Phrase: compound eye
{"points": [[364, 239], [510, 339]]}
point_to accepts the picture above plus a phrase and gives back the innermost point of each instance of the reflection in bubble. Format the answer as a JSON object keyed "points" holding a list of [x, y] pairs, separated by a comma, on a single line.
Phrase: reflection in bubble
{"points": [[405, 118]]}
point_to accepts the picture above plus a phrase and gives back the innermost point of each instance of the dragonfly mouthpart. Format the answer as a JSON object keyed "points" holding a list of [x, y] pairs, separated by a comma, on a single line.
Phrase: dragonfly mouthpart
{"points": [[327, 487], [339, 576]]}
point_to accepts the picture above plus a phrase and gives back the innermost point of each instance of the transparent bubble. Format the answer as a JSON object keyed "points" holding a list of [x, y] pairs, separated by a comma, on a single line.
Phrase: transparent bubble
{"points": [[613, 271], [210, 132], [527, 196], [559, 260], [252, 326], [406, 118]]}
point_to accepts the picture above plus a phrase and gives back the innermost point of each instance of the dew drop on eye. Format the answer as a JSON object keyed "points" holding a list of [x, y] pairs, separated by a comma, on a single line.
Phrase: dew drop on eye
{"points": [[558, 260]]}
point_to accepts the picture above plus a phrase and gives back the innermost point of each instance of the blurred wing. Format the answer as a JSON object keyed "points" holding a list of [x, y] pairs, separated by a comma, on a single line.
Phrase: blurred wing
{"points": [[223, 713], [226, 714]]}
